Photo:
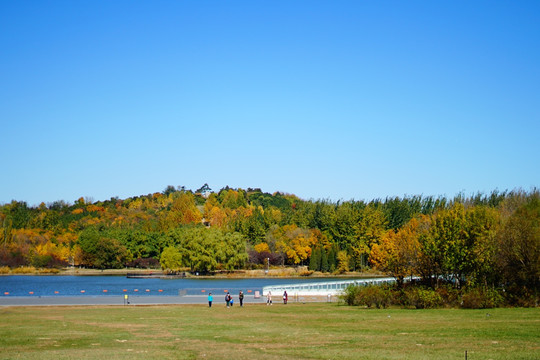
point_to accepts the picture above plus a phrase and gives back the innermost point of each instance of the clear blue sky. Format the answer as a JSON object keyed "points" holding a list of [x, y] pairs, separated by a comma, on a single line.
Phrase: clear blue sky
{"points": [[322, 99]]}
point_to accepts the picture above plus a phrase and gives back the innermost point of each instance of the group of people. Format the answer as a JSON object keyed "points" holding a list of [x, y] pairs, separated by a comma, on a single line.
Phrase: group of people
{"points": [[269, 298], [230, 301]]}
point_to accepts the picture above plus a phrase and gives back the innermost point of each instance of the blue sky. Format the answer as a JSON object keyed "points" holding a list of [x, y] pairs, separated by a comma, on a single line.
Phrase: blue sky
{"points": [[322, 99]]}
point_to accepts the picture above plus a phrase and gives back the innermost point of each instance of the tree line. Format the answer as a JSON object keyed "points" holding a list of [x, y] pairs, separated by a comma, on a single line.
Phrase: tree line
{"points": [[490, 240]]}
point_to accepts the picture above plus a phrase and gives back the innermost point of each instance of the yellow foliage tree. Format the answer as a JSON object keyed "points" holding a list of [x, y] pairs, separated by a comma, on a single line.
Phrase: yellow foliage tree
{"points": [[294, 242], [397, 252], [262, 247], [184, 211], [217, 217]]}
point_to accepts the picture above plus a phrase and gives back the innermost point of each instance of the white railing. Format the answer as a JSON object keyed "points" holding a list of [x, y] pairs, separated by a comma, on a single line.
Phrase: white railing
{"points": [[323, 288]]}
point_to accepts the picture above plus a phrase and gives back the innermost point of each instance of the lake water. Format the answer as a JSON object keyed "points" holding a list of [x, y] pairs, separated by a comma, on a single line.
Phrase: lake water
{"points": [[63, 285]]}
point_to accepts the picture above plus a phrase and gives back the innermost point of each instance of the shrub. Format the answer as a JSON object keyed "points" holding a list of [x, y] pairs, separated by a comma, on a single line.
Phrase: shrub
{"points": [[40, 261], [48, 271], [369, 296], [378, 296], [4, 270], [350, 294], [521, 296], [422, 298], [481, 298], [24, 270], [449, 295], [262, 258]]}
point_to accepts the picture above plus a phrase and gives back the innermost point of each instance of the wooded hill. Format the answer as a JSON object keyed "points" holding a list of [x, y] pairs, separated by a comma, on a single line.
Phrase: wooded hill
{"points": [[490, 239]]}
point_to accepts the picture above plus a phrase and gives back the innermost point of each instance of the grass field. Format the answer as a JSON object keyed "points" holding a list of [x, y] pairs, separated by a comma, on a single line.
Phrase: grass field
{"points": [[295, 331]]}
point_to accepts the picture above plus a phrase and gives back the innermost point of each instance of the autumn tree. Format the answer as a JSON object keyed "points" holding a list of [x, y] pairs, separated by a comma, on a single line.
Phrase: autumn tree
{"points": [[295, 243], [518, 241], [342, 262], [232, 199], [368, 231], [183, 211], [397, 252], [482, 225]]}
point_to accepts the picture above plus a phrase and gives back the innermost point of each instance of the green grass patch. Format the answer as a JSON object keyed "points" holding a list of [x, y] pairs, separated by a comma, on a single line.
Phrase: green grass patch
{"points": [[302, 331]]}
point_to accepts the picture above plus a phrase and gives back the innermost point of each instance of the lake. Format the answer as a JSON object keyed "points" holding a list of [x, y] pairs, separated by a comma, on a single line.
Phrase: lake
{"points": [[64, 285]]}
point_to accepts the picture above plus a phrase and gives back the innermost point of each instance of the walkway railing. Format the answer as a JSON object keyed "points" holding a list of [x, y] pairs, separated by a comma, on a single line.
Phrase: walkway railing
{"points": [[323, 288]]}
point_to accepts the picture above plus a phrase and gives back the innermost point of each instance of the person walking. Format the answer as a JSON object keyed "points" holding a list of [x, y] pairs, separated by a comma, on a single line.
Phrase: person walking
{"points": [[210, 299], [269, 298], [241, 298], [285, 297], [228, 299]]}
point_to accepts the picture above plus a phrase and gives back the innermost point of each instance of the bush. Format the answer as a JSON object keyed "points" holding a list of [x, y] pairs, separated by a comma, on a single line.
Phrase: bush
{"points": [[379, 296], [350, 294], [24, 270], [305, 272], [369, 296], [521, 296], [481, 298], [40, 261], [421, 298], [48, 271], [261, 258], [449, 295]]}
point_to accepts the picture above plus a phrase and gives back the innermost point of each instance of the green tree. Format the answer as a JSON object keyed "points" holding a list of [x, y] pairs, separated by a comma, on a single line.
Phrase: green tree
{"points": [[482, 224], [7, 227], [100, 252], [171, 259], [169, 190], [231, 251], [19, 213], [324, 260], [315, 259], [347, 217], [203, 250], [323, 216], [332, 258], [519, 245], [254, 227]]}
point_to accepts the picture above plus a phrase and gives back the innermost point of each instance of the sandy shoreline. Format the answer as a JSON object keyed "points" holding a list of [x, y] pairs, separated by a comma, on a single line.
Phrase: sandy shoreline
{"points": [[239, 274]]}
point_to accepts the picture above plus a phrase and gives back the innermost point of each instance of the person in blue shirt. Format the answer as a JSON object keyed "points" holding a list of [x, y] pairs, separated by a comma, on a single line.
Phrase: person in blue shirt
{"points": [[210, 299]]}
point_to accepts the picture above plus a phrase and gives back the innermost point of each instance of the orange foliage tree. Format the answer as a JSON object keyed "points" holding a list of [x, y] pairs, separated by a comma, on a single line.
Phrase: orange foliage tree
{"points": [[397, 252], [183, 211]]}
